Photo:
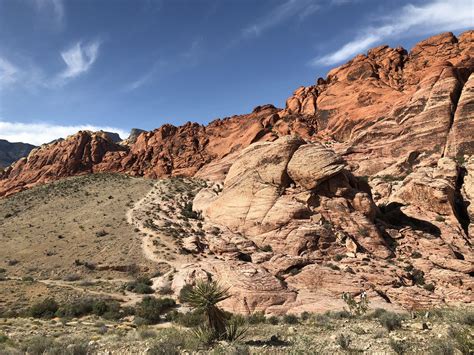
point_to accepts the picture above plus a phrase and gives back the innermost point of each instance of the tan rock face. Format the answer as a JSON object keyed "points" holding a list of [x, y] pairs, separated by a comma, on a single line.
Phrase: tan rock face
{"points": [[311, 164], [460, 139], [304, 246]]}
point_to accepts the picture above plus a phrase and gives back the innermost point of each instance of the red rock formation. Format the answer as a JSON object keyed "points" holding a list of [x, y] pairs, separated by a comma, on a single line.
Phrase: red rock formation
{"points": [[80, 153], [373, 111]]}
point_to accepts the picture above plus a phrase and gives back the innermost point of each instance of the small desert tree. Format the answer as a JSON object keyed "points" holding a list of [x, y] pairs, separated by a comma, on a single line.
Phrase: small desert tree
{"points": [[356, 308], [204, 298]]}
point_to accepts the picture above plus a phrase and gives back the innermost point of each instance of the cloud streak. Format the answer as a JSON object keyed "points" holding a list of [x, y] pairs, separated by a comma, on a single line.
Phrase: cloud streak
{"points": [[432, 17], [40, 133], [55, 6], [279, 14], [188, 58], [8, 73]]}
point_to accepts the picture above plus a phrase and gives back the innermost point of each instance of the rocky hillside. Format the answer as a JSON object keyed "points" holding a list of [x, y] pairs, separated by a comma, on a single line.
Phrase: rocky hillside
{"points": [[298, 229], [384, 108], [11, 152]]}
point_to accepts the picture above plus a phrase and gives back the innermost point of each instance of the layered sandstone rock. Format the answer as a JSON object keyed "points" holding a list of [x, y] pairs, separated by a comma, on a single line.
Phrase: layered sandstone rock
{"points": [[322, 239]]}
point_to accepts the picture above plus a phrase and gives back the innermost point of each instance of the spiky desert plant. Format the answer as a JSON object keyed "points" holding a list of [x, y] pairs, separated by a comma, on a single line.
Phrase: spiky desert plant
{"points": [[204, 297]]}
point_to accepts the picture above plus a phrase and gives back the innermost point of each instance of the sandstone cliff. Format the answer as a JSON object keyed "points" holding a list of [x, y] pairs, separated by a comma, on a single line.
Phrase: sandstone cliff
{"points": [[374, 111]]}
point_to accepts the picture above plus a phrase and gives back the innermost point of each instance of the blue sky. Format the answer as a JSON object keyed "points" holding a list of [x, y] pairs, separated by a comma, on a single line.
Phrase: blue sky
{"points": [[116, 64]]}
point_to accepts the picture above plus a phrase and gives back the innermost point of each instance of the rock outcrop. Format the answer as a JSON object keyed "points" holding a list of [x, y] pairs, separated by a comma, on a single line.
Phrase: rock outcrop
{"points": [[289, 245], [373, 111], [80, 153]]}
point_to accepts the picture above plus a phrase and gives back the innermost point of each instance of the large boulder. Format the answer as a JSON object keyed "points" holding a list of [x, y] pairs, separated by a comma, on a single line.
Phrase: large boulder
{"points": [[313, 163]]}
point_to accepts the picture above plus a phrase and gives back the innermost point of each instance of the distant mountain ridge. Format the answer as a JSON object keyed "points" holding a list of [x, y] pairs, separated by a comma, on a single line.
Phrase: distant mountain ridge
{"points": [[11, 152]]}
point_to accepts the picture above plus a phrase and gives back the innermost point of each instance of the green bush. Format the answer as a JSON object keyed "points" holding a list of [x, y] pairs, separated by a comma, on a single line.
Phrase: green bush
{"points": [[184, 292], [441, 347], [273, 320], [391, 321], [344, 341], [151, 309], [188, 319], [81, 307], [429, 287], [38, 345], [256, 318], [290, 319], [142, 285], [44, 309], [399, 346]]}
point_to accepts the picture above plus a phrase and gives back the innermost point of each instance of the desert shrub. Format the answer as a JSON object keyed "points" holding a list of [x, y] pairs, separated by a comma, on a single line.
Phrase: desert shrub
{"points": [[333, 267], [344, 341], [142, 285], [81, 307], [184, 292], [3, 338], [339, 314], [464, 342], [418, 277], [440, 218], [399, 346], [256, 318], [151, 309], [273, 320], [441, 347], [101, 233], [235, 329], [188, 319], [28, 279], [76, 308], [187, 212], [356, 308], [290, 319], [467, 318], [165, 290], [305, 316], [205, 335], [38, 345], [391, 321], [146, 333], [204, 297], [377, 313], [429, 287], [44, 309], [72, 277], [267, 248]]}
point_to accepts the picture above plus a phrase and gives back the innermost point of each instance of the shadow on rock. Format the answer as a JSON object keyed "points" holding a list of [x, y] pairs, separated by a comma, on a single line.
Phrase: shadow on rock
{"points": [[393, 214]]}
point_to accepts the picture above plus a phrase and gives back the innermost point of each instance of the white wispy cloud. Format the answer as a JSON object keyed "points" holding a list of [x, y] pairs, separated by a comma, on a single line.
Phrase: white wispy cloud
{"points": [[56, 7], [146, 77], [8, 73], [281, 13], [432, 17], [40, 133], [187, 58], [79, 59]]}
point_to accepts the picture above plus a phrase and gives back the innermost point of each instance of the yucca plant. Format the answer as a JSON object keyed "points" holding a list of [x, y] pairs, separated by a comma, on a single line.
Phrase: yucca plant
{"points": [[204, 298]]}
